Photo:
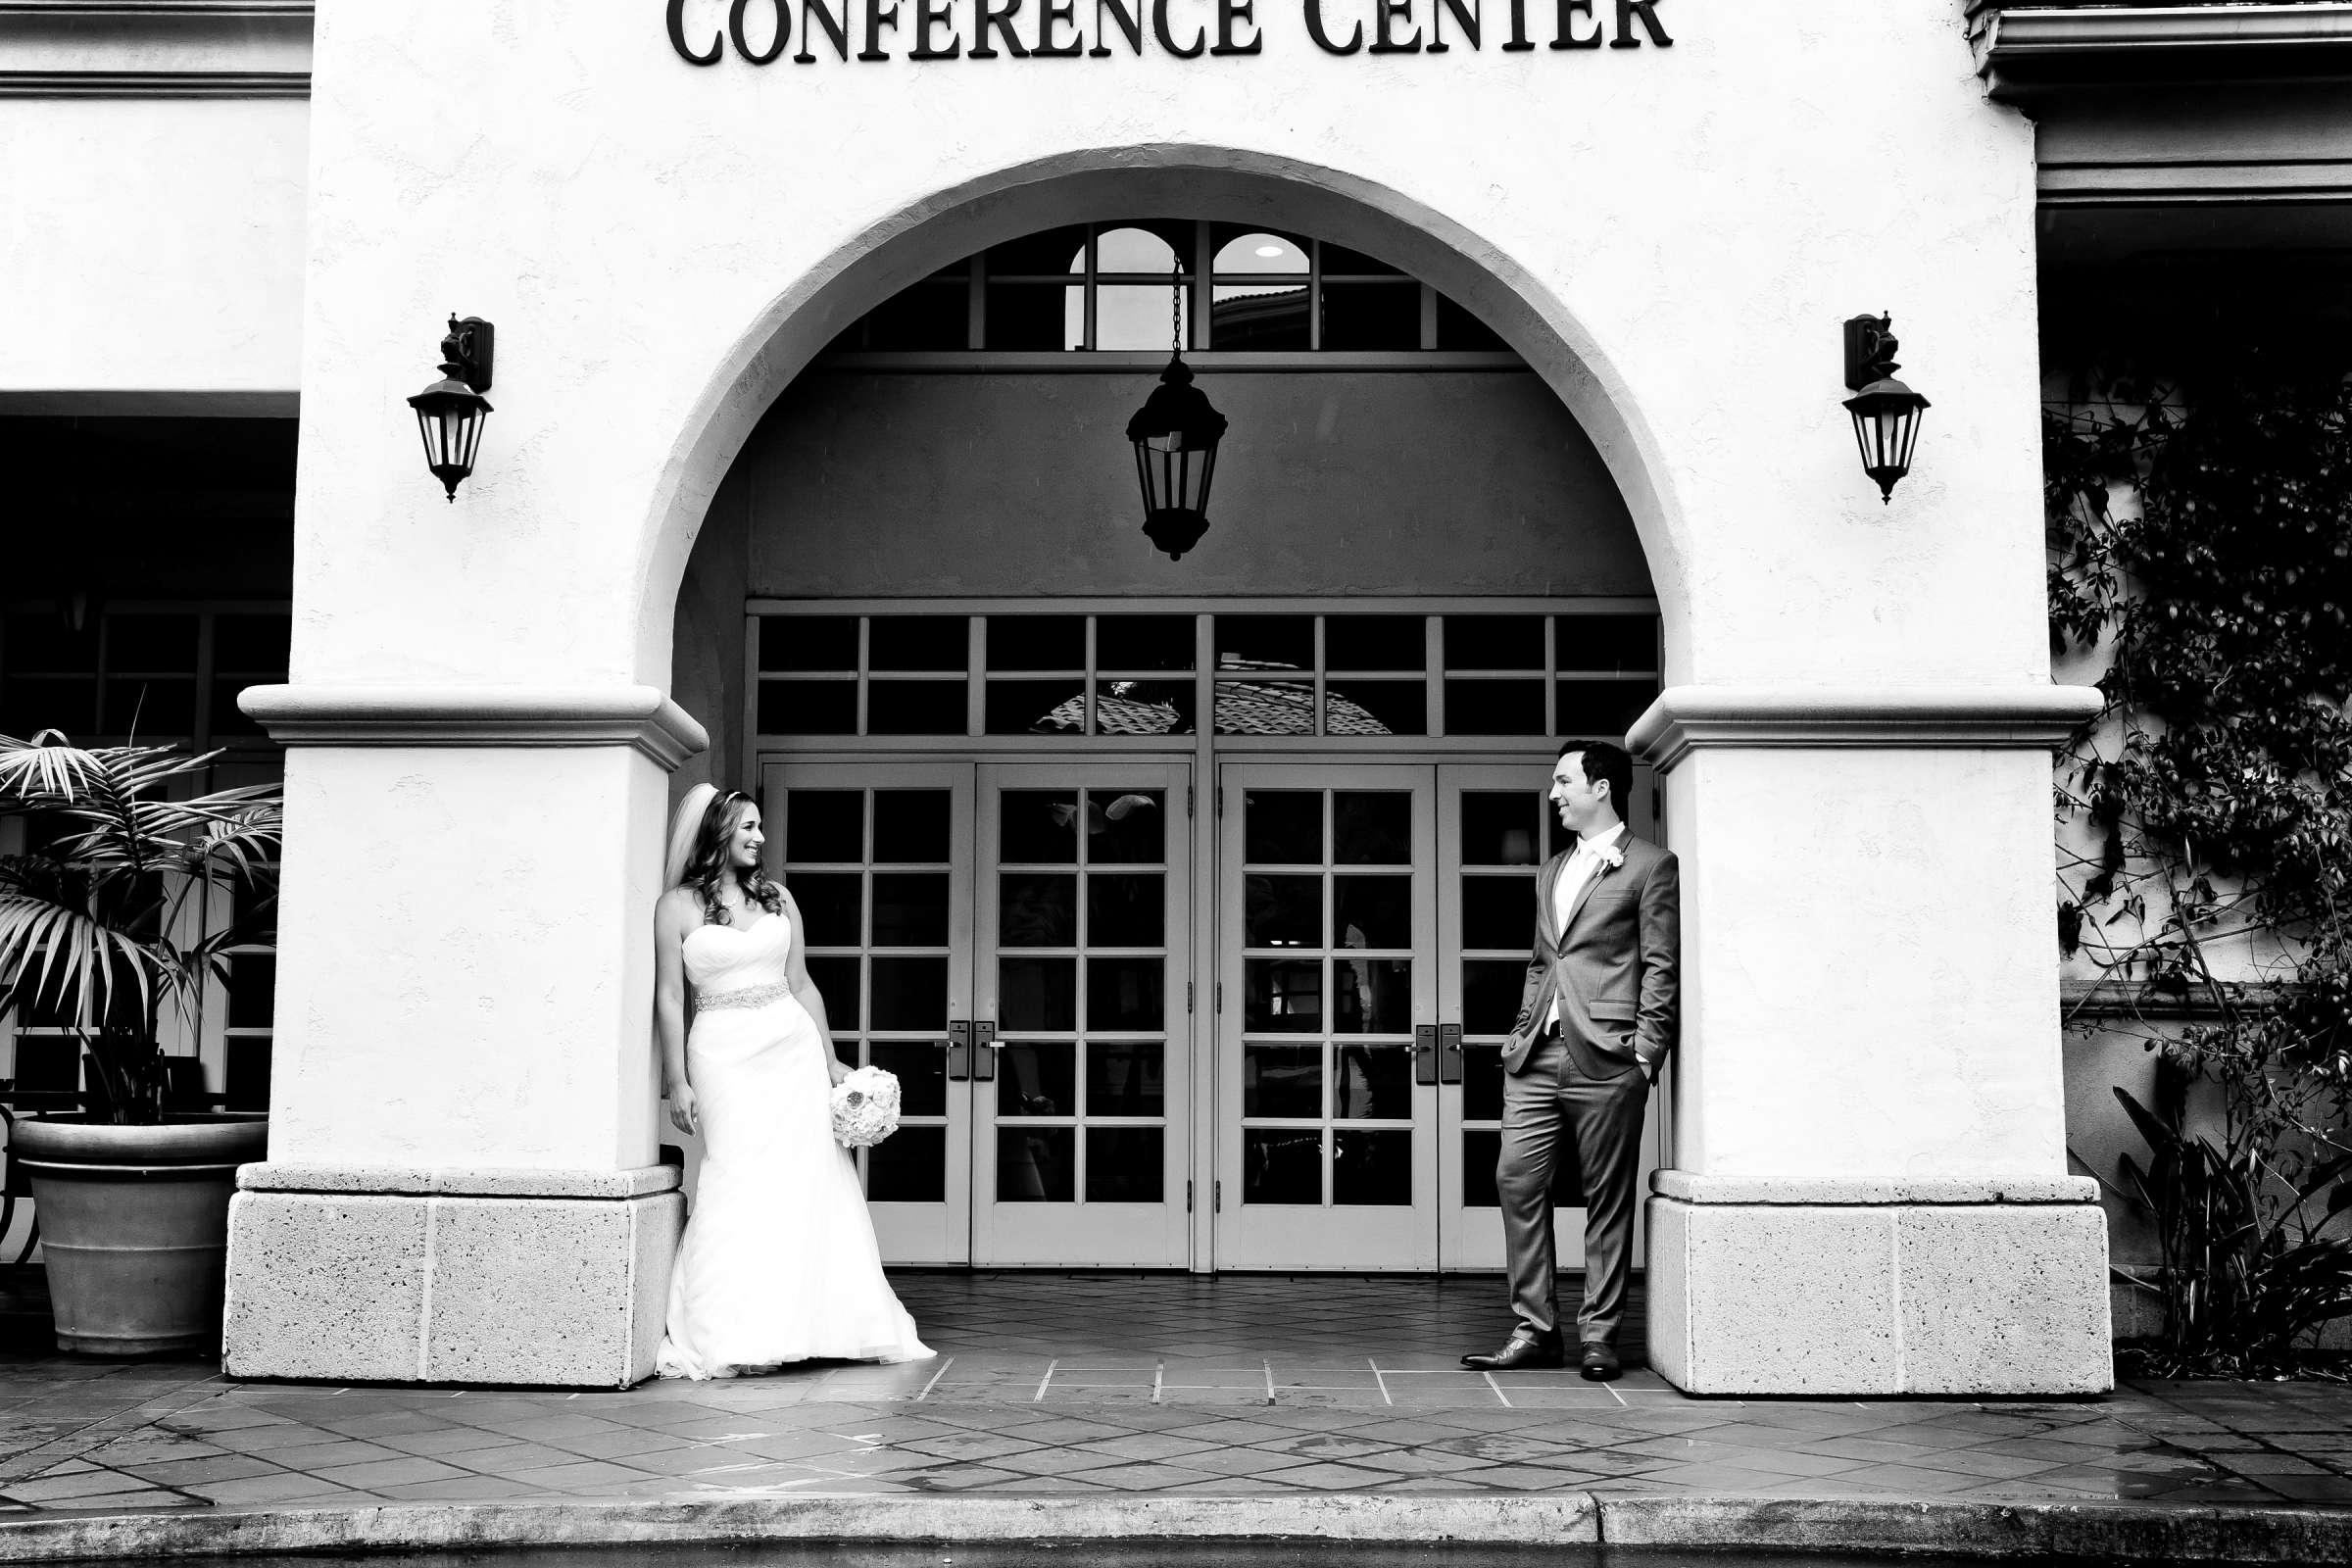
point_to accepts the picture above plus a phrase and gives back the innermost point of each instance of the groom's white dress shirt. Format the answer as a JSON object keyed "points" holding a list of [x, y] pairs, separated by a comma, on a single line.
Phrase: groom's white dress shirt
{"points": [[1584, 864]]}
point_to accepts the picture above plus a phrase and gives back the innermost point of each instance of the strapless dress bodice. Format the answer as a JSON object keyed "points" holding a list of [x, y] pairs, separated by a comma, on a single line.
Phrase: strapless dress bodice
{"points": [[722, 958]]}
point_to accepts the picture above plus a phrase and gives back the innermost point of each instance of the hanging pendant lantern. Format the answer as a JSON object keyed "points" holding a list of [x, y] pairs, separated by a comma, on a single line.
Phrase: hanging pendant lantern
{"points": [[451, 412], [1175, 434]]}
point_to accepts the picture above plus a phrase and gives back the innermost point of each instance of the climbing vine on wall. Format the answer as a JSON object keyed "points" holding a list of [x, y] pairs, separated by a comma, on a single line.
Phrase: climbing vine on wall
{"points": [[2201, 549]]}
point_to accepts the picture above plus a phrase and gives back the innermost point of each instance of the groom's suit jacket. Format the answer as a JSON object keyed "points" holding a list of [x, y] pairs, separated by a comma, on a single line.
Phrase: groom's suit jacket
{"points": [[1615, 969]]}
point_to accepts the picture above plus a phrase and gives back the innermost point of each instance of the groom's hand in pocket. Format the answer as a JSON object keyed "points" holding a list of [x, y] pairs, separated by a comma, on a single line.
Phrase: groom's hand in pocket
{"points": [[685, 1114]]}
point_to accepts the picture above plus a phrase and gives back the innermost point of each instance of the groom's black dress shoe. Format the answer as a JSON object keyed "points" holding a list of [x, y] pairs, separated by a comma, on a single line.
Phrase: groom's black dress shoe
{"points": [[1525, 1350], [1599, 1362]]}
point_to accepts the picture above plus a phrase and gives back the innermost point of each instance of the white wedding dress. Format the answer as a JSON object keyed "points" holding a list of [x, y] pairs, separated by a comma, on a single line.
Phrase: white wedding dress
{"points": [[779, 1261]]}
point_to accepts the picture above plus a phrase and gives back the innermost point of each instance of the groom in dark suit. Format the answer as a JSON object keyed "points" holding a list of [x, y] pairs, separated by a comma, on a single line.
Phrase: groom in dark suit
{"points": [[1595, 1022]]}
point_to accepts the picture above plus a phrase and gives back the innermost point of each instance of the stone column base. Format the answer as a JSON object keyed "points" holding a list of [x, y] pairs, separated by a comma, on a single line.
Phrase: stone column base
{"points": [[449, 1276], [1759, 1285]]}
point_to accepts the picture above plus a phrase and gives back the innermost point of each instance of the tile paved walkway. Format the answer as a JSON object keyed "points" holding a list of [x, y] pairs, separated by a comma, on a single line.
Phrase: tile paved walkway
{"points": [[1098, 1383]]}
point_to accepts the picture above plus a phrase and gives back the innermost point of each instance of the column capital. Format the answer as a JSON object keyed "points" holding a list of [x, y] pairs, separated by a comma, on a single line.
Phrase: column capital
{"points": [[641, 717], [2024, 716]]}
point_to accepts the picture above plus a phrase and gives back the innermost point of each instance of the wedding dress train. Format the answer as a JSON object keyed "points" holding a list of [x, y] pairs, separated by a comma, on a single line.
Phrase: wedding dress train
{"points": [[779, 1261]]}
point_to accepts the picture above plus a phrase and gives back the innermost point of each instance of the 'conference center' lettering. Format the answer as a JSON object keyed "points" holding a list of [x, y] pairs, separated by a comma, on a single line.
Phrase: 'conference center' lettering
{"points": [[761, 31]]}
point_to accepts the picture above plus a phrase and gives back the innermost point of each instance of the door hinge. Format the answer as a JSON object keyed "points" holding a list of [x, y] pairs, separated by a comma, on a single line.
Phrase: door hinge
{"points": [[1220, 800], [1187, 996], [1188, 1197], [1221, 995], [1188, 800], [1216, 1197]]}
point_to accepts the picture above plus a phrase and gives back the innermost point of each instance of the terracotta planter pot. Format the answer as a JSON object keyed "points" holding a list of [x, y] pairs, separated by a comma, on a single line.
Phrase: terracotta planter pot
{"points": [[134, 1226]]}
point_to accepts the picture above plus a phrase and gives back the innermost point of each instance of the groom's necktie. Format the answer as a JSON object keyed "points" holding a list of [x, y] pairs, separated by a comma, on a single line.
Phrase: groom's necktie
{"points": [[1573, 876]]}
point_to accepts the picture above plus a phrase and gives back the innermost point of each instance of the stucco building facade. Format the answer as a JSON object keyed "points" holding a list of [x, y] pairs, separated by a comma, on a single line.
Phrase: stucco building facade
{"points": [[807, 474]]}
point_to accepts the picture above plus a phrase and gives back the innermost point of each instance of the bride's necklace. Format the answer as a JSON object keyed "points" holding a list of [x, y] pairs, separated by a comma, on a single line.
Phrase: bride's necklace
{"points": [[728, 911]]}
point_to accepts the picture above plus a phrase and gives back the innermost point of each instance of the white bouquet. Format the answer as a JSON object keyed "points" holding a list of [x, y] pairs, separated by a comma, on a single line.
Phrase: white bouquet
{"points": [[865, 1107]]}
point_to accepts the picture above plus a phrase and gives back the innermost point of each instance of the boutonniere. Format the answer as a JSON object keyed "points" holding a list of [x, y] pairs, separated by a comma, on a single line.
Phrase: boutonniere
{"points": [[1609, 856]]}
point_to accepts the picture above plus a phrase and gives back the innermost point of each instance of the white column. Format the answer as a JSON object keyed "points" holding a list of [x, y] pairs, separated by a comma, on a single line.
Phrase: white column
{"points": [[463, 1180], [1871, 1192]]}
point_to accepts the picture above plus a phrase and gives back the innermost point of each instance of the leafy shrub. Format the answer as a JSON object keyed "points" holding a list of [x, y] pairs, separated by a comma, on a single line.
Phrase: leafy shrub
{"points": [[93, 912], [2216, 793], [2248, 1282]]}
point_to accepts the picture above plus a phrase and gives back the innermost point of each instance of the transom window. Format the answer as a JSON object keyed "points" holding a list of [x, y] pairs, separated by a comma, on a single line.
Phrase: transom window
{"points": [[1327, 674], [1129, 286]]}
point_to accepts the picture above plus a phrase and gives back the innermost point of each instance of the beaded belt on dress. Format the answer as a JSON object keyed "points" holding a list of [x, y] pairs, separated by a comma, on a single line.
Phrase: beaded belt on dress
{"points": [[751, 996]]}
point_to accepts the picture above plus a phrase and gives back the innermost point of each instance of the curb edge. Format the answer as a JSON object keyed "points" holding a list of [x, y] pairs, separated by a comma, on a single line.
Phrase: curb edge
{"points": [[2195, 1532]]}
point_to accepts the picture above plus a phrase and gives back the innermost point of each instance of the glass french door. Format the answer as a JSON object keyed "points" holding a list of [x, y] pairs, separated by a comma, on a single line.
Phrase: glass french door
{"points": [[1081, 1142], [1011, 941], [1326, 1018], [1374, 924], [1494, 832], [878, 857]]}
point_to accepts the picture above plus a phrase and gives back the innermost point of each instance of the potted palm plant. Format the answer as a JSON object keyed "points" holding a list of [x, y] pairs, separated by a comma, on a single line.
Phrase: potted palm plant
{"points": [[100, 932]]}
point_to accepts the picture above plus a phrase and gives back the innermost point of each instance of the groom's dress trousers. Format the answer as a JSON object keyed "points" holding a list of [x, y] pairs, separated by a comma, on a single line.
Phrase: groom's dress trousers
{"points": [[1601, 1001]]}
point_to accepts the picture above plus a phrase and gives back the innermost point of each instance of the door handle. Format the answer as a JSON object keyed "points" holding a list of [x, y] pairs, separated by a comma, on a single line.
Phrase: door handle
{"points": [[984, 1052], [1425, 1054], [959, 1049], [1449, 1052]]}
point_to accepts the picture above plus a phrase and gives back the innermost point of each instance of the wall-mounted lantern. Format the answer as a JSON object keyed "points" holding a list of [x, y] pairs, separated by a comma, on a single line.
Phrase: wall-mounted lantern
{"points": [[1885, 411], [1175, 435], [451, 412]]}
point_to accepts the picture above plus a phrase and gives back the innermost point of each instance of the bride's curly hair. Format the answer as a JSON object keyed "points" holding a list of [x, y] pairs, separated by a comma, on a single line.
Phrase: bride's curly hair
{"points": [[706, 867]]}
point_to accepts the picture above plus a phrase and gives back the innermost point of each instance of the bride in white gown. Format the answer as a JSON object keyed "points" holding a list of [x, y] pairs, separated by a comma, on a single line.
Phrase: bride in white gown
{"points": [[779, 1261]]}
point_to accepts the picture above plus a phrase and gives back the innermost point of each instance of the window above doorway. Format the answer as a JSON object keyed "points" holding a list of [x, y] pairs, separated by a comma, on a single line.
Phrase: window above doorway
{"points": [[824, 673], [1106, 288]]}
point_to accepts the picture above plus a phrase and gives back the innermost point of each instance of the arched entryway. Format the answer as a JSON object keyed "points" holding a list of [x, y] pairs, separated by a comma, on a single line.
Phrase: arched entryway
{"points": [[1188, 899], [1220, 184]]}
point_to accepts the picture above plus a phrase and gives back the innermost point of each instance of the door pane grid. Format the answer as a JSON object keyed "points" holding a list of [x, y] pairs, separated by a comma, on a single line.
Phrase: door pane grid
{"points": [[1327, 1025], [1367, 910], [870, 870], [1081, 1106], [1504, 836]]}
